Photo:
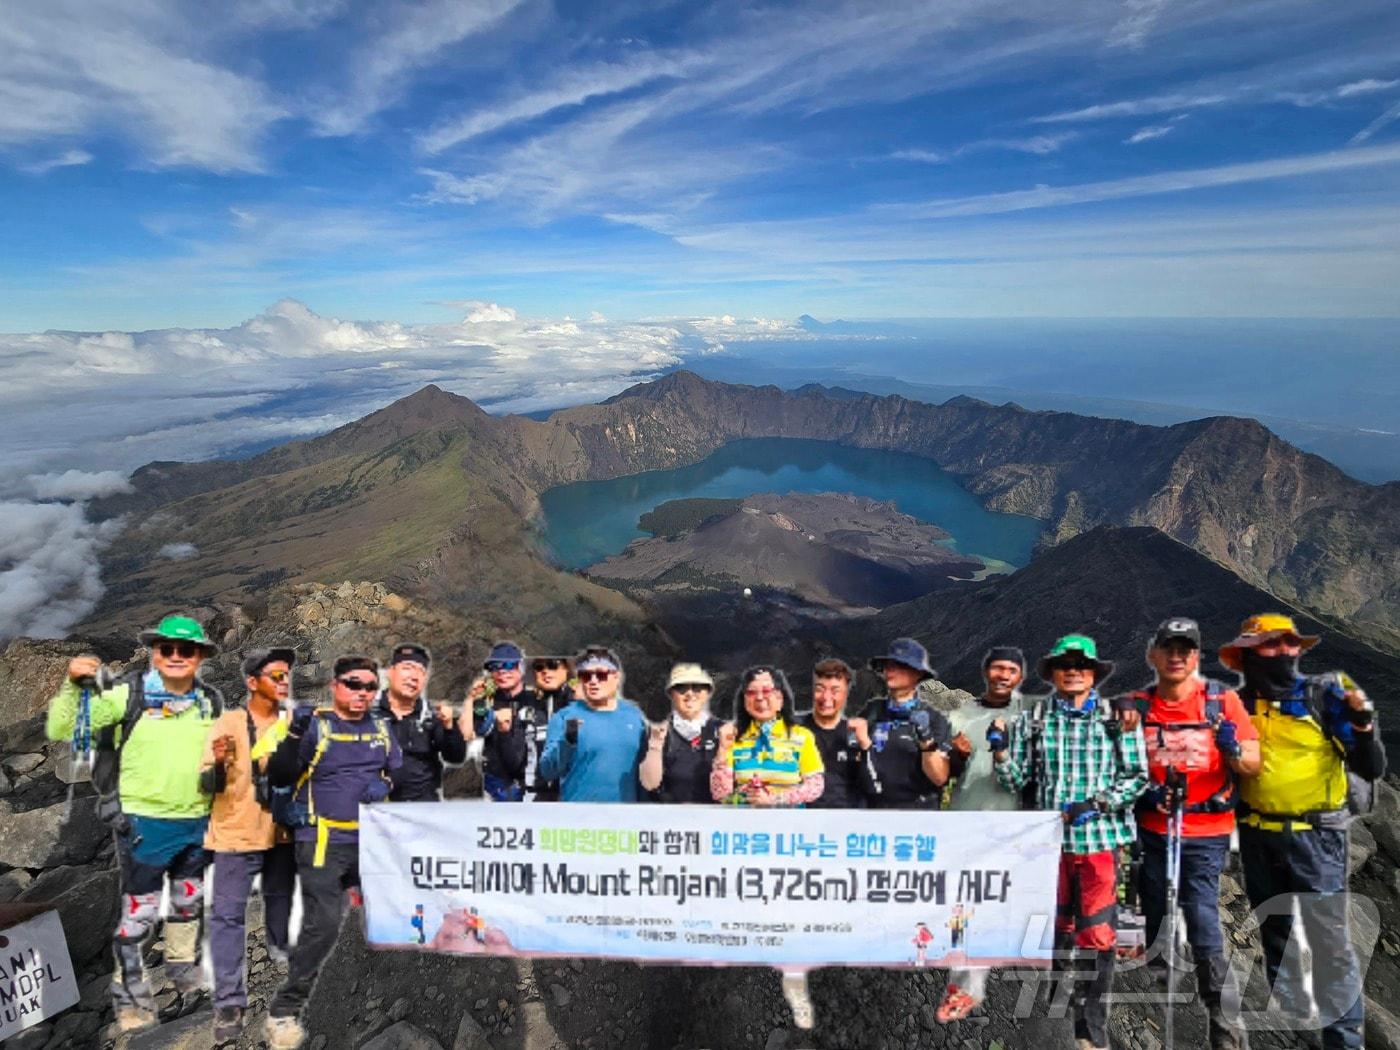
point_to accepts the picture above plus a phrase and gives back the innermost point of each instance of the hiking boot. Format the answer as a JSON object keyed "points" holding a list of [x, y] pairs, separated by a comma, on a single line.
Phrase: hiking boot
{"points": [[228, 1023], [278, 956], [283, 1033], [1216, 983], [136, 1018]]}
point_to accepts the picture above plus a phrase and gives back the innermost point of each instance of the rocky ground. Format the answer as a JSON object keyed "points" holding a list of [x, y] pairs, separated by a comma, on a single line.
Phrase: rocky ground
{"points": [[52, 850]]}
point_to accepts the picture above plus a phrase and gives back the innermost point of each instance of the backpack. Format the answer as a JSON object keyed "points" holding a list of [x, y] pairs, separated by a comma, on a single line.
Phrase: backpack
{"points": [[286, 809], [1361, 792], [1030, 790], [107, 746], [1223, 801]]}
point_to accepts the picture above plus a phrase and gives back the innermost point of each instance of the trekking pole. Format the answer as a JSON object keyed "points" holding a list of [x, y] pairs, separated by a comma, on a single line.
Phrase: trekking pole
{"points": [[1176, 787]]}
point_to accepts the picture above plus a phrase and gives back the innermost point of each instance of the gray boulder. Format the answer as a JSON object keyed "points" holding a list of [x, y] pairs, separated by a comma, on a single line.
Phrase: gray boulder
{"points": [[86, 901], [402, 1036], [62, 833], [31, 670]]}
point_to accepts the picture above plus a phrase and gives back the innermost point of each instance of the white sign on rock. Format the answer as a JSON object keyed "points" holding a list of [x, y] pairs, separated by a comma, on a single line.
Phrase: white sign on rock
{"points": [[36, 975]]}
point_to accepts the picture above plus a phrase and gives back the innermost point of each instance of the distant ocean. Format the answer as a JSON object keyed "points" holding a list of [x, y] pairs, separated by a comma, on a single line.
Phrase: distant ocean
{"points": [[1329, 386]]}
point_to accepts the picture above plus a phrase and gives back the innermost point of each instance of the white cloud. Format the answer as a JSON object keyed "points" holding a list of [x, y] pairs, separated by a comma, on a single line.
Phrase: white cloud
{"points": [[419, 35], [72, 69], [1147, 134], [1148, 185], [1388, 117], [177, 551], [79, 484], [920, 156], [1138, 107], [50, 577], [67, 159]]}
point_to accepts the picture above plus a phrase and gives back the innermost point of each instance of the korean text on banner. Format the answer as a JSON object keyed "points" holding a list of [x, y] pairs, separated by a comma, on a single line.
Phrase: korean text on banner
{"points": [[698, 884]]}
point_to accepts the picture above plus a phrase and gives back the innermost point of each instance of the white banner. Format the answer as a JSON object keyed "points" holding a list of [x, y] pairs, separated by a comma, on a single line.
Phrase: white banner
{"points": [[711, 884], [36, 975]]}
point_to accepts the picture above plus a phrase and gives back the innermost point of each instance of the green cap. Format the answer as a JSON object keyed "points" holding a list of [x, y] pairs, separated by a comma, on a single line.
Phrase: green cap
{"points": [[179, 629]]}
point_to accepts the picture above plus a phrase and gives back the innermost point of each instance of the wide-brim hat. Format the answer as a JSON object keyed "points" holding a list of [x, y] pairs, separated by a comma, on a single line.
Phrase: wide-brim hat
{"points": [[1085, 647], [179, 629], [689, 674], [1259, 629], [908, 653]]}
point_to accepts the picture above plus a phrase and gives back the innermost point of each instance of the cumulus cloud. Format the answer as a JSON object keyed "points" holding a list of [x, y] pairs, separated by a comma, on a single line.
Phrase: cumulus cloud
{"points": [[50, 578], [177, 551], [79, 484]]}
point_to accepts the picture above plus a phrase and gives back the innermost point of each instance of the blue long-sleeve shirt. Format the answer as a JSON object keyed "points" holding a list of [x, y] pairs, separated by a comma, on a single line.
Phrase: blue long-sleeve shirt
{"points": [[602, 766]]}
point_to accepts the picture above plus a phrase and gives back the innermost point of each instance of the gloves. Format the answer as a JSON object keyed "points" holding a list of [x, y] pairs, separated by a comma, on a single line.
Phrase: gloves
{"points": [[1227, 738], [997, 738], [571, 730], [377, 790], [1159, 796], [302, 715], [1078, 814]]}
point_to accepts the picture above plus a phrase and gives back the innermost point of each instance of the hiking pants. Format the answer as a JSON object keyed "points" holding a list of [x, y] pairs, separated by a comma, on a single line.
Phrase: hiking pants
{"points": [[1307, 869], [140, 888], [1198, 892], [322, 908], [1087, 918], [233, 882]]}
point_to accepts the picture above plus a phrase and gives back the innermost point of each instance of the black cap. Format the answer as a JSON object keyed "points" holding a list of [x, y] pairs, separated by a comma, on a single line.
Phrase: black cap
{"points": [[1178, 627], [411, 652], [1004, 652], [254, 660]]}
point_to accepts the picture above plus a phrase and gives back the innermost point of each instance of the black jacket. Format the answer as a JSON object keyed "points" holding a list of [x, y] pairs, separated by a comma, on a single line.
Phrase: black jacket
{"points": [[893, 772], [686, 765], [842, 758], [427, 747]]}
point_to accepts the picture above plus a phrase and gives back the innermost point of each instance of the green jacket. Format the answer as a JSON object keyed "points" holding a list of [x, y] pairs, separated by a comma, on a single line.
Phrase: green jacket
{"points": [[159, 764]]}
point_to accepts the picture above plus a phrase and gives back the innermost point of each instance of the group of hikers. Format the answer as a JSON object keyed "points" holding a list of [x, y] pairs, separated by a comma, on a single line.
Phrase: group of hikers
{"points": [[272, 790]]}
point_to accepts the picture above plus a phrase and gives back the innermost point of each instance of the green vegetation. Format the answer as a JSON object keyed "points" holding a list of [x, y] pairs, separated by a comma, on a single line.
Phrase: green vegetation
{"points": [[679, 516]]}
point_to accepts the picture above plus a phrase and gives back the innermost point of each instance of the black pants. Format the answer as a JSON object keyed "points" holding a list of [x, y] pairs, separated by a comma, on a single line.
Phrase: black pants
{"points": [[322, 908]]}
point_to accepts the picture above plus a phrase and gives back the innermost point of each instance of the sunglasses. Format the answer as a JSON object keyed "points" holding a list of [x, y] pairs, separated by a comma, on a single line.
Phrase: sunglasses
{"points": [[184, 650], [548, 665], [690, 688], [1073, 665], [595, 676], [276, 676], [502, 665], [360, 685], [758, 694]]}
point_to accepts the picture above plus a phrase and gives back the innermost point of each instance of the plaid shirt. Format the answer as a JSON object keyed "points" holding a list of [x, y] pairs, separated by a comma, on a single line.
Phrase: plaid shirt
{"points": [[1080, 756]]}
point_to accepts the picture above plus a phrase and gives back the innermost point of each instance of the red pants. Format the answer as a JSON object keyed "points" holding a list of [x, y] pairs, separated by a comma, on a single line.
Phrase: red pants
{"points": [[1087, 900]]}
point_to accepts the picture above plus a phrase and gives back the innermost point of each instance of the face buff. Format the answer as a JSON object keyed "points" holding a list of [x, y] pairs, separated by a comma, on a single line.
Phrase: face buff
{"points": [[688, 728], [1273, 677]]}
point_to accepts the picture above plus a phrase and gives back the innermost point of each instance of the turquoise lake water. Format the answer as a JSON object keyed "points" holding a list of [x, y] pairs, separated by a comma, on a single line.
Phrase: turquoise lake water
{"points": [[587, 521]]}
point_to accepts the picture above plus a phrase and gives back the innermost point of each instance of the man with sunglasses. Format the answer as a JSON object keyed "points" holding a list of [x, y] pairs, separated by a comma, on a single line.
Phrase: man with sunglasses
{"points": [[1097, 771], [1317, 738], [148, 731], [337, 759], [552, 693], [428, 739], [242, 836], [594, 746], [505, 714]]}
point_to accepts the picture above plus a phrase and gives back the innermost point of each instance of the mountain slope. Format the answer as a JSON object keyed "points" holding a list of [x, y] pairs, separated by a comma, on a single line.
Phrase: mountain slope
{"points": [[1286, 521]]}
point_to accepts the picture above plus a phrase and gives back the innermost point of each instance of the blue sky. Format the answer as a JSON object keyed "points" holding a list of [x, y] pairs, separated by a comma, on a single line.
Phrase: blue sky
{"points": [[181, 165]]}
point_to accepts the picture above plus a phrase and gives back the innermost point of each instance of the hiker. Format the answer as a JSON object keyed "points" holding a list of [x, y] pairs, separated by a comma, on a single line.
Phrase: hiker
{"points": [[428, 739], [553, 692], [504, 713], [763, 759], [336, 759], [837, 742], [975, 787], [1199, 739], [906, 742], [1099, 770], [594, 746], [147, 732], [243, 838], [681, 750], [1313, 730]]}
